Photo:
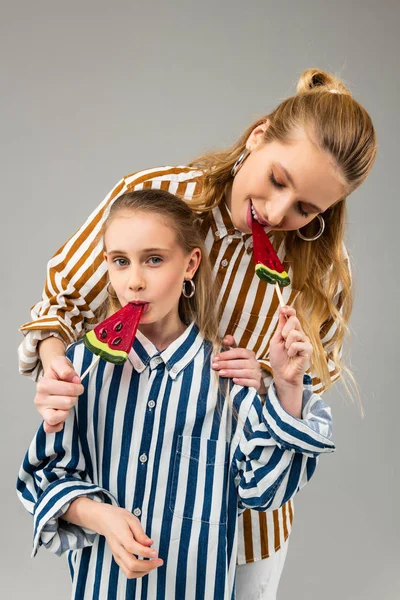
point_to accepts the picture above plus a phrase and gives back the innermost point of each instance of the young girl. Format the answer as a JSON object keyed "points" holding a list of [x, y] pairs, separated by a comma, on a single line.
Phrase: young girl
{"points": [[155, 452], [301, 160]]}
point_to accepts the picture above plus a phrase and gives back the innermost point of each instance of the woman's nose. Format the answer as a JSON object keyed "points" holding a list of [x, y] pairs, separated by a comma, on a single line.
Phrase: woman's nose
{"points": [[276, 210]]}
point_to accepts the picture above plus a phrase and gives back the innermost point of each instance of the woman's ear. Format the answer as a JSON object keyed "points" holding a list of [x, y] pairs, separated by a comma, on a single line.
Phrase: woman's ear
{"points": [[105, 256], [193, 265], [257, 136]]}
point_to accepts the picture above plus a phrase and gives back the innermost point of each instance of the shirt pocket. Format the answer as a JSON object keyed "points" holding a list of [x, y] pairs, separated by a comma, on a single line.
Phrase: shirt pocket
{"points": [[253, 331], [199, 481]]}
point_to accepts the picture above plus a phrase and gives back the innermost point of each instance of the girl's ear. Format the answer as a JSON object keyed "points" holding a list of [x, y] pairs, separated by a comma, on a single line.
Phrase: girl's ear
{"points": [[194, 261]]}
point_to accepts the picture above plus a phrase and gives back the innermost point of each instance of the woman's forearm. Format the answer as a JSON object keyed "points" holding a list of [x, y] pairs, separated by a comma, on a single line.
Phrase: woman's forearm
{"points": [[49, 349]]}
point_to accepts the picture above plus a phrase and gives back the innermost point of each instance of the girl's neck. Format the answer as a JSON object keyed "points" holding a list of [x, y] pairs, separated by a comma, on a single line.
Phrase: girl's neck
{"points": [[164, 332]]}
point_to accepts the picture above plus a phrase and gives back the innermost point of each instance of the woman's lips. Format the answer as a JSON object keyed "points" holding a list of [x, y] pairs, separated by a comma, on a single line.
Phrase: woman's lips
{"points": [[250, 217], [262, 221]]}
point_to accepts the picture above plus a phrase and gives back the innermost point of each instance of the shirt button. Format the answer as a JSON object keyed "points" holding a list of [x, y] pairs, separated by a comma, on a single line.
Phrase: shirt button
{"points": [[137, 512], [224, 263], [174, 370], [143, 458], [158, 360], [151, 404], [217, 234], [137, 365]]}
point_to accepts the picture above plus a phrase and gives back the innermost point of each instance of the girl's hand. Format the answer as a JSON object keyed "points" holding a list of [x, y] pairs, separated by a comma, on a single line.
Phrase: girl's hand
{"points": [[127, 540], [240, 364], [290, 351], [56, 393]]}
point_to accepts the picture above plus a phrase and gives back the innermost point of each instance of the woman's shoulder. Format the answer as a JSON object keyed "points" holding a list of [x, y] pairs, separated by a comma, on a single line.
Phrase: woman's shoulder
{"points": [[179, 174]]}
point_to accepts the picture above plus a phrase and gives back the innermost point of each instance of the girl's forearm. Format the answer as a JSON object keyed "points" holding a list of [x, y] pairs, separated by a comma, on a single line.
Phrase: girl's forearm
{"points": [[84, 512], [49, 349], [290, 398]]}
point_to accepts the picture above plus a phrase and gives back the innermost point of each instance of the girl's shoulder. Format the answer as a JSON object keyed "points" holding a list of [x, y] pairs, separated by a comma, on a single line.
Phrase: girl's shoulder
{"points": [[75, 350]]}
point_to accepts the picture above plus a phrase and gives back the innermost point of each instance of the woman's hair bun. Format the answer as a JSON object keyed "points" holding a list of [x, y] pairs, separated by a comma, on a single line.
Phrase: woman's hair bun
{"points": [[318, 80]]}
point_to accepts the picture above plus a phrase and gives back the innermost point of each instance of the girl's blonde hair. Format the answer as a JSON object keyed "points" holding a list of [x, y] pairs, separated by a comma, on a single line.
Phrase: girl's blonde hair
{"points": [[201, 308], [337, 124]]}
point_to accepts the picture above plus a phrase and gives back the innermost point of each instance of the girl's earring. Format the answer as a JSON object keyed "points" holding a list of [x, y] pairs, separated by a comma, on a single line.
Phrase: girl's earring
{"points": [[108, 291], [315, 237], [238, 164], [192, 290]]}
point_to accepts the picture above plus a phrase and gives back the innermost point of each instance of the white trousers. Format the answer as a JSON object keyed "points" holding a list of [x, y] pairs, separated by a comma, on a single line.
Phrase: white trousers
{"points": [[259, 580]]}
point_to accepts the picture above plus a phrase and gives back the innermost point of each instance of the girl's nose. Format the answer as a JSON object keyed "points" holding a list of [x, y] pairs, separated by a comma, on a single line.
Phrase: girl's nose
{"points": [[137, 281]]}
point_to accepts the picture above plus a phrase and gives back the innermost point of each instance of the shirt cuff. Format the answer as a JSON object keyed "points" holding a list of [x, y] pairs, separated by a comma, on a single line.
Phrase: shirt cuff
{"points": [[29, 362], [58, 535], [298, 435]]}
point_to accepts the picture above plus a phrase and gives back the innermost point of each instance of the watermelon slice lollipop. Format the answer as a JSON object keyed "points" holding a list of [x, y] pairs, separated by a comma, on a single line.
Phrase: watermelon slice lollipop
{"points": [[112, 339], [268, 266]]}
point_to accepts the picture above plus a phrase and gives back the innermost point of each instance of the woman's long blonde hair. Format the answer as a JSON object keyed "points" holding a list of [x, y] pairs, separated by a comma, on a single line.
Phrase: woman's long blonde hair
{"points": [[201, 308], [337, 124]]}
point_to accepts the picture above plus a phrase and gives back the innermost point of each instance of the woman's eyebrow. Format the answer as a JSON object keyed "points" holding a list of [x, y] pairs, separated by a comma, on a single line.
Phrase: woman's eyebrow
{"points": [[292, 183]]}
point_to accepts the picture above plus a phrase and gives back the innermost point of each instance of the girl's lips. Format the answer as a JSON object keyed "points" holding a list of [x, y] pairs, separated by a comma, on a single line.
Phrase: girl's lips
{"points": [[140, 303]]}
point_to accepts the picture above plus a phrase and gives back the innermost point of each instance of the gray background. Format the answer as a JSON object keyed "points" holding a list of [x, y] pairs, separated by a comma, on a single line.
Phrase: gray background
{"points": [[95, 90]]}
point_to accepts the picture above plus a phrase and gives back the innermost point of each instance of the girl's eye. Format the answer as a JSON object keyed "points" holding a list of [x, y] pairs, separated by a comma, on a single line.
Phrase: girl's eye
{"points": [[275, 182], [120, 262], [301, 211], [155, 260]]}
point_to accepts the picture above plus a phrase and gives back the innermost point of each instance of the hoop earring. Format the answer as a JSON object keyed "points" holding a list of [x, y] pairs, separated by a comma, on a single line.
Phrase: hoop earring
{"points": [[108, 291], [238, 164], [193, 288], [315, 237]]}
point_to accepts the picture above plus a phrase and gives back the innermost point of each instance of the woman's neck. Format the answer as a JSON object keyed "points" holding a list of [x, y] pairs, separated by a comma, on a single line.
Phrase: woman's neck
{"points": [[164, 332]]}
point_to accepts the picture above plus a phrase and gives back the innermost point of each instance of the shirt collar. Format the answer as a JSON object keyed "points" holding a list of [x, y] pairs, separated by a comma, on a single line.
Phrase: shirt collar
{"points": [[175, 357], [223, 224]]}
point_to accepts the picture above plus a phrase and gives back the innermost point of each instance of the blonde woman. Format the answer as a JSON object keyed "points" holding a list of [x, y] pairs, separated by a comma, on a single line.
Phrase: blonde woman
{"points": [[292, 170]]}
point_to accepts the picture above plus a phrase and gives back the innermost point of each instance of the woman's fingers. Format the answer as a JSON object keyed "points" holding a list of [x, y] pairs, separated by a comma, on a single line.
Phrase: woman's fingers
{"points": [[54, 417], [236, 364], [51, 391], [61, 368], [253, 383], [52, 428], [234, 354], [229, 340]]}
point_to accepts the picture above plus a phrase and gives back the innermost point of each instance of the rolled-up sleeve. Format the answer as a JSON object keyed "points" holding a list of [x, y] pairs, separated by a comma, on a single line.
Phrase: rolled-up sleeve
{"points": [[53, 475], [276, 453]]}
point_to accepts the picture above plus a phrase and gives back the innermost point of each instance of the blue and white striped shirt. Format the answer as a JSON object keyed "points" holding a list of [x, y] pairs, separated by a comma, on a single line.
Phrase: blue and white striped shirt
{"points": [[156, 436]]}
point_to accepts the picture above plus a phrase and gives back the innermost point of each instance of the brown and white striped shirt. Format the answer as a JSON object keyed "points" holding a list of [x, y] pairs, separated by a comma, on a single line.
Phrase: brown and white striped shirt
{"points": [[75, 288]]}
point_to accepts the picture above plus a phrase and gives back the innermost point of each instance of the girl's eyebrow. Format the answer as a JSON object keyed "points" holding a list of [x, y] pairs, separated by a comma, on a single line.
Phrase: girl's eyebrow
{"points": [[144, 250], [290, 179]]}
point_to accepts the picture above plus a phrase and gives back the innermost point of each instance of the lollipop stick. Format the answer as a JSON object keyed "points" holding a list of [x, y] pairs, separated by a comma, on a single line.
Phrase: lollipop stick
{"points": [[90, 367], [278, 291]]}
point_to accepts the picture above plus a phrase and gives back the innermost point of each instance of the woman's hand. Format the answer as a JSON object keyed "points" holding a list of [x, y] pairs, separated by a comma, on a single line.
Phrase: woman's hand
{"points": [[240, 364], [127, 540], [57, 392], [290, 352]]}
